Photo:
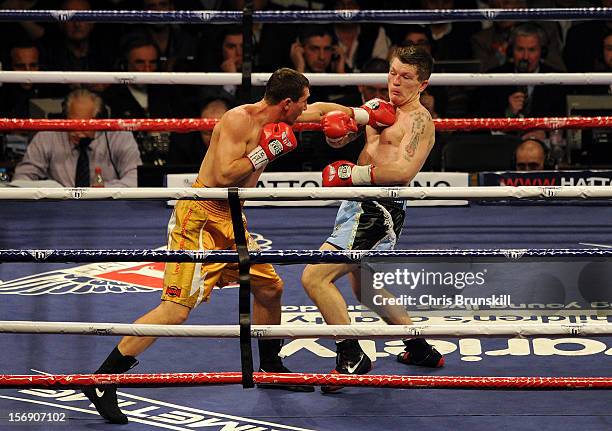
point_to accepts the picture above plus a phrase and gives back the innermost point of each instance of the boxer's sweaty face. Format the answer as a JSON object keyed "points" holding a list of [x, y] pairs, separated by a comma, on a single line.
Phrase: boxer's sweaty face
{"points": [[404, 85], [295, 109]]}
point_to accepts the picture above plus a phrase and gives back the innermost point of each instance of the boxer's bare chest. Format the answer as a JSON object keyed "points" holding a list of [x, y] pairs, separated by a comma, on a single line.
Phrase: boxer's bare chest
{"points": [[384, 147]]}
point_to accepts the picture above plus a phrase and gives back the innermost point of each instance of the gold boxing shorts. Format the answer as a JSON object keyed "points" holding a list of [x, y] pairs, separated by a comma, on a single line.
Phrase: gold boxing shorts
{"points": [[206, 225]]}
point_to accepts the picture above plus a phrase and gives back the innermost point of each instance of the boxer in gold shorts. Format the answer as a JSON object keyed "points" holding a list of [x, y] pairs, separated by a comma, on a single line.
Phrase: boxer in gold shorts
{"points": [[244, 141], [207, 225]]}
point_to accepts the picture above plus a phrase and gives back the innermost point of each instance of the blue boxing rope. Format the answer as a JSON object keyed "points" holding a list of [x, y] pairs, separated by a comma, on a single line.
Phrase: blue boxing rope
{"points": [[289, 256], [323, 16]]}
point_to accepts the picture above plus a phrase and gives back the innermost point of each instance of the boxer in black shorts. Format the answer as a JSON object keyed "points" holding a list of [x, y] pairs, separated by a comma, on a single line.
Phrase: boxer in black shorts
{"points": [[399, 137]]}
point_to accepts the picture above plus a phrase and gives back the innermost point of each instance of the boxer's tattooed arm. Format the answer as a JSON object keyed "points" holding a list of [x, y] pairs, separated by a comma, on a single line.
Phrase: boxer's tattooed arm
{"points": [[432, 141], [418, 130]]}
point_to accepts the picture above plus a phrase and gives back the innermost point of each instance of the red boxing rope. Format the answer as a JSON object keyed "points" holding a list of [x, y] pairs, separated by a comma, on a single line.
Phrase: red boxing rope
{"points": [[380, 381], [195, 124]]}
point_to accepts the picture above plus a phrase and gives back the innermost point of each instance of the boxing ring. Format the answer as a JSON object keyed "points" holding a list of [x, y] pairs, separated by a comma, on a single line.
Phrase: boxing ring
{"points": [[117, 238], [59, 292]]}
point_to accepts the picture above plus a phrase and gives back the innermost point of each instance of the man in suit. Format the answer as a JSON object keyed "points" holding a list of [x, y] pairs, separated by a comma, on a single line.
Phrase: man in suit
{"points": [[140, 54], [528, 49]]}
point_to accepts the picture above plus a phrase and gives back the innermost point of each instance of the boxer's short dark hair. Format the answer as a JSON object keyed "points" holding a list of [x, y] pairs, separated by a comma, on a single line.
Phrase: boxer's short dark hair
{"points": [[285, 83], [418, 57]]}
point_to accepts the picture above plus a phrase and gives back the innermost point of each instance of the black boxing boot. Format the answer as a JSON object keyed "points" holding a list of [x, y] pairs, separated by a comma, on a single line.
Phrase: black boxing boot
{"points": [[350, 359], [104, 398], [270, 362], [420, 352]]}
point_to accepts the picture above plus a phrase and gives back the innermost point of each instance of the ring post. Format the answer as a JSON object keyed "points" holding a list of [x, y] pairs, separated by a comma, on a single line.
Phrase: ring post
{"points": [[247, 52], [244, 295]]}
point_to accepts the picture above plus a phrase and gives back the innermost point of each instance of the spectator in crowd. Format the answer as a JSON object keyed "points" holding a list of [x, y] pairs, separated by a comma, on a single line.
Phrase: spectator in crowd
{"points": [[277, 40], [139, 54], [275, 37], [231, 50], [490, 46], [189, 148], [15, 98], [606, 53], [225, 56], [602, 64], [413, 34], [564, 24], [528, 42], [448, 38], [373, 91], [360, 42], [530, 155], [583, 43], [177, 48], [224, 53], [71, 158], [316, 51], [77, 48], [214, 108]]}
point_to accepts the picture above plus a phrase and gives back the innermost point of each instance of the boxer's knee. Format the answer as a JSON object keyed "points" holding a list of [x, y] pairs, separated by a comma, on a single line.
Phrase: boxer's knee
{"points": [[269, 293], [312, 279], [173, 313]]}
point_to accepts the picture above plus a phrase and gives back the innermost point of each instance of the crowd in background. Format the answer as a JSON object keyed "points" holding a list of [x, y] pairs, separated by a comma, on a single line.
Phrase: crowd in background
{"points": [[488, 46]]}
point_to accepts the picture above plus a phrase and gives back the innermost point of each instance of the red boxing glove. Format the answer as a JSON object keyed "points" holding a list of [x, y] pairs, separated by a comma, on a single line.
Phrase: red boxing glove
{"points": [[346, 174], [336, 125], [376, 113], [276, 140]]}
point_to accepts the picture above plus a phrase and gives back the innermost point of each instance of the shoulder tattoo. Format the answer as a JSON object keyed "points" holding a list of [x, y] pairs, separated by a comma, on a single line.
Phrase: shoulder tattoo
{"points": [[419, 122]]}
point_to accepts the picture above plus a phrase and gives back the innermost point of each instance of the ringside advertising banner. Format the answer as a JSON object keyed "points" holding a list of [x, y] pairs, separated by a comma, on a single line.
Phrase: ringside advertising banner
{"points": [[313, 179], [546, 178], [464, 284]]}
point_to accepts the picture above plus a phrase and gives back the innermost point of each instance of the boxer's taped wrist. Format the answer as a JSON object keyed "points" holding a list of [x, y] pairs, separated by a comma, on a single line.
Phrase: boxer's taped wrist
{"points": [[361, 175], [362, 117], [258, 158]]}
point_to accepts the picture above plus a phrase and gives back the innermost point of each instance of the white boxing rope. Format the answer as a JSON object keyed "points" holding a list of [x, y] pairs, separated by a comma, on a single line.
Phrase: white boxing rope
{"points": [[308, 331], [260, 79], [419, 193], [488, 79], [118, 193], [309, 193]]}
